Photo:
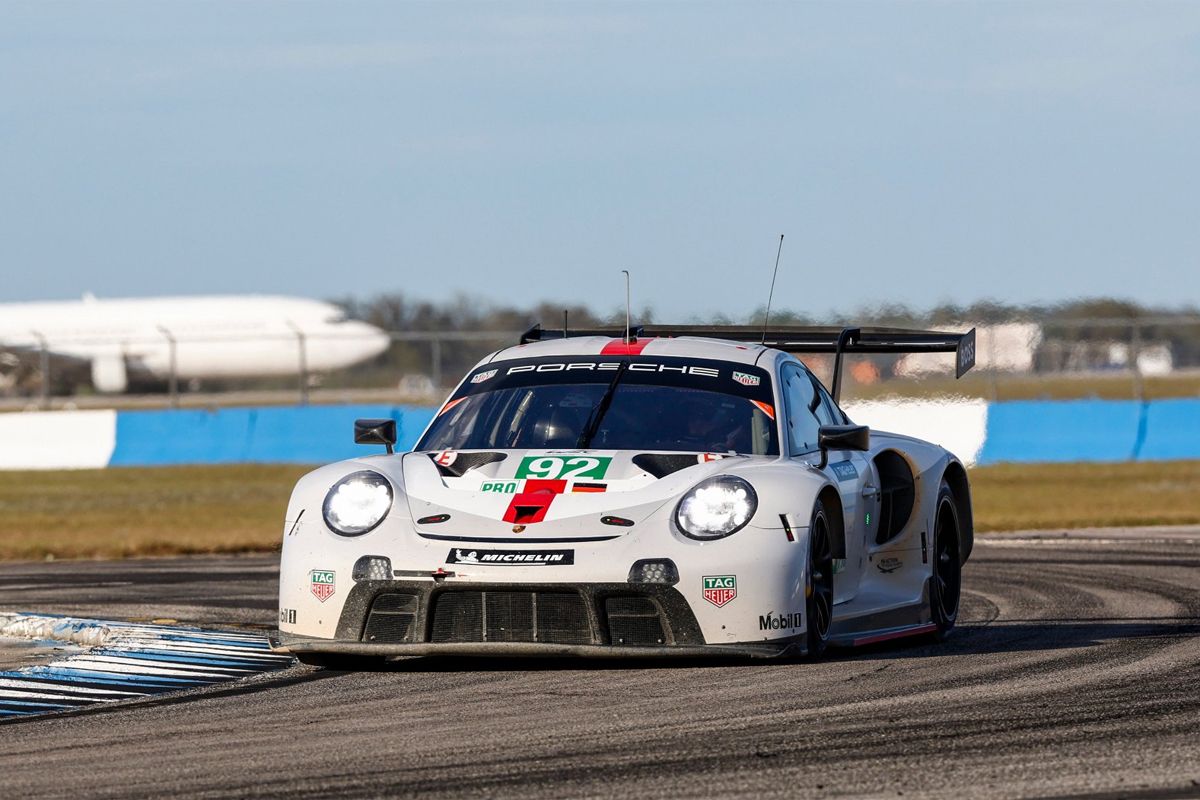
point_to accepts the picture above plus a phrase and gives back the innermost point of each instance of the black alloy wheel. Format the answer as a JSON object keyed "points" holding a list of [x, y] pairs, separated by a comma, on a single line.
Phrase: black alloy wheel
{"points": [[819, 591], [946, 582]]}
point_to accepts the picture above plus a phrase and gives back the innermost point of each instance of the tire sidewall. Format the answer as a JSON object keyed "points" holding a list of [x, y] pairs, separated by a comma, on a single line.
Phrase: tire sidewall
{"points": [[815, 641], [945, 500]]}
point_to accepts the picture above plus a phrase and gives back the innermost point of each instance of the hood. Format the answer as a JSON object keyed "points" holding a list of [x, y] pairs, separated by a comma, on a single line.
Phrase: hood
{"points": [[556, 494]]}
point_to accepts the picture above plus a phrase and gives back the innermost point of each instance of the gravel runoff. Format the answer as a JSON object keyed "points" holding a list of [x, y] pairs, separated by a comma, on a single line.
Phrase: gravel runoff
{"points": [[1074, 672]]}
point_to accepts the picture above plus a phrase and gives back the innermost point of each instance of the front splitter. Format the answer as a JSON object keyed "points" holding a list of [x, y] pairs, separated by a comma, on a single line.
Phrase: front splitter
{"points": [[298, 645]]}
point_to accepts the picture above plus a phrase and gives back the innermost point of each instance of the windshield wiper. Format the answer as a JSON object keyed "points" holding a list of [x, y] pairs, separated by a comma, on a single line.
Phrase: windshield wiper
{"points": [[594, 419]]}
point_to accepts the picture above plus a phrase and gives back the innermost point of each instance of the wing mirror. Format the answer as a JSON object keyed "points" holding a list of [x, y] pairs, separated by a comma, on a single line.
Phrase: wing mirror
{"points": [[842, 437], [376, 431]]}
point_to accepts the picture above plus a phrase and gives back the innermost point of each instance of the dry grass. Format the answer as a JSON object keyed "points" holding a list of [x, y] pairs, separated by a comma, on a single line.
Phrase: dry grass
{"points": [[1016, 497], [119, 512], [123, 512]]}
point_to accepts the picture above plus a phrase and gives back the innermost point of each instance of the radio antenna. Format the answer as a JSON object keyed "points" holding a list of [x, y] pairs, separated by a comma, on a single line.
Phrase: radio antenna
{"points": [[627, 314], [771, 294], [564, 323]]}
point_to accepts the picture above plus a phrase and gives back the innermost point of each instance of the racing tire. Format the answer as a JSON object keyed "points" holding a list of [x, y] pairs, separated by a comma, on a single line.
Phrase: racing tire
{"points": [[945, 584], [819, 589]]}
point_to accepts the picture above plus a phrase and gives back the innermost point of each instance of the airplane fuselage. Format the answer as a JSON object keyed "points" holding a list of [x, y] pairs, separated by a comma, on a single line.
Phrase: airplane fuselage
{"points": [[194, 337]]}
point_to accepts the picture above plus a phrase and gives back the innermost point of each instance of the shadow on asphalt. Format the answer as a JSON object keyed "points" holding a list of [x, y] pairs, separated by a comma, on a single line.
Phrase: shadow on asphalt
{"points": [[1021, 636], [1007, 637], [279, 679]]}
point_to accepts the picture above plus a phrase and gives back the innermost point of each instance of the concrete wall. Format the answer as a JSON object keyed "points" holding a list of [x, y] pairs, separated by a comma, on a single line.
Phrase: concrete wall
{"points": [[57, 439]]}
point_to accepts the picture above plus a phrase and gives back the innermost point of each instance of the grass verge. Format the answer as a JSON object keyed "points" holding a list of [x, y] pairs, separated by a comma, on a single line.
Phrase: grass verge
{"points": [[123, 512], [1044, 496], [118, 512]]}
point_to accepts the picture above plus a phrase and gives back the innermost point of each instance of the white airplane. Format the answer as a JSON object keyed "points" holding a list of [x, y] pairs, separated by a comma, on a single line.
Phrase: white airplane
{"points": [[199, 338]]}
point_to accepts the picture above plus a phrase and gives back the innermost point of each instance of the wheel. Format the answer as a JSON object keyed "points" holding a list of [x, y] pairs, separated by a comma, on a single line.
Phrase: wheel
{"points": [[819, 591], [946, 582]]}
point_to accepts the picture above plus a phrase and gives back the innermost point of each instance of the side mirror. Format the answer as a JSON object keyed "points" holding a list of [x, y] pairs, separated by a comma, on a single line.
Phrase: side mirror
{"points": [[844, 437], [376, 431]]}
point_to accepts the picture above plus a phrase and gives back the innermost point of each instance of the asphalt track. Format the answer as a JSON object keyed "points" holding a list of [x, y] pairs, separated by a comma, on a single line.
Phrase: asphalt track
{"points": [[1074, 672]]}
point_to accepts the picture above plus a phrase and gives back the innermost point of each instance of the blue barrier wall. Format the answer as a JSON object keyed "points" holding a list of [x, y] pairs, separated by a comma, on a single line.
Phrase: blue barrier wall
{"points": [[1023, 432], [1057, 431], [298, 435], [1172, 430]]}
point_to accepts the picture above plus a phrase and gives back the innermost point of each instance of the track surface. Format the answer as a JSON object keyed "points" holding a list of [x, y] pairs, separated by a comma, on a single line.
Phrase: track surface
{"points": [[1075, 671]]}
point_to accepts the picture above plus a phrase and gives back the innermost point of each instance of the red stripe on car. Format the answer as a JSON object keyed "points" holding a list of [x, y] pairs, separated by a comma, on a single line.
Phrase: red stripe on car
{"points": [[620, 347], [917, 630], [450, 405], [532, 503]]}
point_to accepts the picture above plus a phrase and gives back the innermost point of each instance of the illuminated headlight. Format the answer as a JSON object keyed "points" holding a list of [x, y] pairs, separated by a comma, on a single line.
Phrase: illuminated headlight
{"points": [[716, 507], [357, 503]]}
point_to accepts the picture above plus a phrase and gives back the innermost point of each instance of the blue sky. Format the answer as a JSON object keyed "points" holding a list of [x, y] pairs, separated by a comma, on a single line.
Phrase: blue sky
{"points": [[911, 152]]}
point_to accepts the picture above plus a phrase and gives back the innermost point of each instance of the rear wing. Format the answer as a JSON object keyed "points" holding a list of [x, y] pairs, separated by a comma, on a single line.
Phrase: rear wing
{"points": [[803, 339]]}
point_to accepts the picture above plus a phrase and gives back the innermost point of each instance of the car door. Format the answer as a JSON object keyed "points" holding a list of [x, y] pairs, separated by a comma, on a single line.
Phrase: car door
{"points": [[809, 406], [858, 483]]}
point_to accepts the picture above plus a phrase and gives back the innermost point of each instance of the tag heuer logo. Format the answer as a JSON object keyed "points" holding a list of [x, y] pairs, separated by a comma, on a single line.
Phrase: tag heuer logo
{"points": [[720, 589], [746, 380], [322, 584]]}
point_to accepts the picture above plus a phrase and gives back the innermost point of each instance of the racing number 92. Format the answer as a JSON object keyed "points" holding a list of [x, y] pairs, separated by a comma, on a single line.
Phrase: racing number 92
{"points": [[563, 467]]}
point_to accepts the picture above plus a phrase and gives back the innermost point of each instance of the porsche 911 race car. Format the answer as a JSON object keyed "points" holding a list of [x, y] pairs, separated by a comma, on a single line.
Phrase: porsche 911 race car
{"points": [[666, 491]]}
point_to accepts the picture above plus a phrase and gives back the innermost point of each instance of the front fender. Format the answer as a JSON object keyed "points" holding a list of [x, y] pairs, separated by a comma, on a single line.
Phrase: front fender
{"points": [[785, 490], [315, 564]]}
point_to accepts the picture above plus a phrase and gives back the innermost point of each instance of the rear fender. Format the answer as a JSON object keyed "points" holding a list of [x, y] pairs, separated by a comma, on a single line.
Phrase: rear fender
{"points": [[956, 476]]}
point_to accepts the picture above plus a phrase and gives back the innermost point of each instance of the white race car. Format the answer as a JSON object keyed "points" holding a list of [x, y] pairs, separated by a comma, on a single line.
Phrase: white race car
{"points": [[666, 491]]}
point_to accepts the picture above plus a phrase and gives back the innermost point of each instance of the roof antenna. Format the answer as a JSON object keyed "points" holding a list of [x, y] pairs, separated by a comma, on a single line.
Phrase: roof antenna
{"points": [[627, 314], [771, 294], [564, 323]]}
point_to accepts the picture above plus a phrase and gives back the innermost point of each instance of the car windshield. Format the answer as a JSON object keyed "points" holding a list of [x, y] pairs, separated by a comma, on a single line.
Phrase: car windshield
{"points": [[615, 404]]}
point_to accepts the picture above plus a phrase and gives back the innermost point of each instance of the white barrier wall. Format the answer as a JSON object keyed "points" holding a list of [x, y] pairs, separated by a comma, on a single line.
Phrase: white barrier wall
{"points": [[960, 426], [57, 439]]}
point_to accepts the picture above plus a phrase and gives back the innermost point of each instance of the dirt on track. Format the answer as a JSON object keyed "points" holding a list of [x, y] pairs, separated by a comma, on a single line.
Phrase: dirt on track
{"points": [[1074, 672]]}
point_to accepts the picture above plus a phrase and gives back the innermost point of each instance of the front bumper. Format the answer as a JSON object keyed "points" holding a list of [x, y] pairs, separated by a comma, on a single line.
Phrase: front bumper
{"points": [[615, 620], [288, 643]]}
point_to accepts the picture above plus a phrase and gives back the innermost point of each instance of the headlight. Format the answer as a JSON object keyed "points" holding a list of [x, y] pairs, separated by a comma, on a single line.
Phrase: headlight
{"points": [[357, 503], [716, 507]]}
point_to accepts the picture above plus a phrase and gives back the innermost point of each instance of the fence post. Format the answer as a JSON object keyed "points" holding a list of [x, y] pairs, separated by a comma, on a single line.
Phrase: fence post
{"points": [[301, 344], [436, 347], [44, 366], [1135, 346], [991, 368], [173, 376]]}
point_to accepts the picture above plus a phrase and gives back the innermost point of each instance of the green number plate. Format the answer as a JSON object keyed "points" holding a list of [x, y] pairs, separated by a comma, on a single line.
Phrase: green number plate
{"points": [[563, 467]]}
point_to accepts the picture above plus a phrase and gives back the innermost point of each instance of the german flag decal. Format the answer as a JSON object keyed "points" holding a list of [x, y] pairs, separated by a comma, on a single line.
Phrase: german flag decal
{"points": [[588, 487]]}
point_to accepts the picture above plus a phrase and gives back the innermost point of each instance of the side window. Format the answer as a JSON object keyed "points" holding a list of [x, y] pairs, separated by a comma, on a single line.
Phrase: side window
{"points": [[799, 395], [827, 413]]}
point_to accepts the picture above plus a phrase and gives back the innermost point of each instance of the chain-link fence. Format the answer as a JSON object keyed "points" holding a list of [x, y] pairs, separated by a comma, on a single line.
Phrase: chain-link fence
{"points": [[1054, 359], [1146, 357]]}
